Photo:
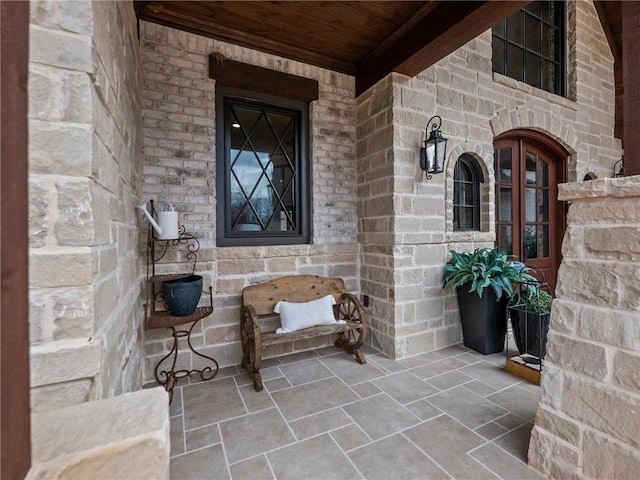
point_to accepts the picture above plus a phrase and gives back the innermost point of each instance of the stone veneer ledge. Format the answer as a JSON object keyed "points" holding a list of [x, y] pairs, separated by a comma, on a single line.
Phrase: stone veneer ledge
{"points": [[121, 437]]}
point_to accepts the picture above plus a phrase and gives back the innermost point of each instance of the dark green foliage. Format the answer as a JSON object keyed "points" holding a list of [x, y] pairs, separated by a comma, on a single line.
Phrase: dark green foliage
{"points": [[482, 268], [533, 300]]}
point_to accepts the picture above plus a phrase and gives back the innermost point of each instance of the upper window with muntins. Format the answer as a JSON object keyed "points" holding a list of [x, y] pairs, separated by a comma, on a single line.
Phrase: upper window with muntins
{"points": [[529, 46]]}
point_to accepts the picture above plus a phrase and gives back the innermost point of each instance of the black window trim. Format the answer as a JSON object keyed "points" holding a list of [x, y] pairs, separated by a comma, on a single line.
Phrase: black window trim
{"points": [[477, 179], [225, 238]]}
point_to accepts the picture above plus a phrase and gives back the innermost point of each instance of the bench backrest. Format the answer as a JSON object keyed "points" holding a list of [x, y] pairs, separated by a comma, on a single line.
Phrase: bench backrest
{"points": [[295, 288]]}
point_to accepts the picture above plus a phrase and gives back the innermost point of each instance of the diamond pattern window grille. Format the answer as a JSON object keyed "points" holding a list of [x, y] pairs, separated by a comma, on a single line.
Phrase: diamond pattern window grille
{"points": [[263, 170]]}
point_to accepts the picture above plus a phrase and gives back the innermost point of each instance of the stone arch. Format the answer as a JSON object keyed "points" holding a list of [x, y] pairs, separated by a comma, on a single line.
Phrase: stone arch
{"points": [[525, 117], [486, 187]]}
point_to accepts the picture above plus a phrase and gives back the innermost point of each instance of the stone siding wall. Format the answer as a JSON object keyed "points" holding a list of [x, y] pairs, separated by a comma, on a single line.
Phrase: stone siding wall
{"points": [[85, 165], [179, 167], [587, 425], [477, 105], [376, 213]]}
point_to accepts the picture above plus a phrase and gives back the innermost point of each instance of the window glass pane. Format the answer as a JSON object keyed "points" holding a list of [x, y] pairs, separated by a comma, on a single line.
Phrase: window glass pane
{"points": [[530, 242], [530, 172], [549, 42], [505, 239], [464, 172], [530, 204], [466, 218], [514, 28], [532, 28], [547, 11], [543, 205], [500, 28], [505, 166], [515, 62], [550, 74], [543, 241], [505, 209], [498, 55], [543, 174], [467, 194], [533, 74], [534, 8]]}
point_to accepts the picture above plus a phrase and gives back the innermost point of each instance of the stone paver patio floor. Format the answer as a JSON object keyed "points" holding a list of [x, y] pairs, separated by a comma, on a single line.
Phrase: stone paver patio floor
{"points": [[447, 414]]}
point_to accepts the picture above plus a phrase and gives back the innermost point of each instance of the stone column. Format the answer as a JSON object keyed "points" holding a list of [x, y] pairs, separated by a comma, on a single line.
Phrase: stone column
{"points": [[588, 421]]}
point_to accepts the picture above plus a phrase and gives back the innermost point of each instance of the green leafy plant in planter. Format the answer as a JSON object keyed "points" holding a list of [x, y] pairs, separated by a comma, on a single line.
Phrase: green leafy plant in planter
{"points": [[484, 280], [530, 311]]}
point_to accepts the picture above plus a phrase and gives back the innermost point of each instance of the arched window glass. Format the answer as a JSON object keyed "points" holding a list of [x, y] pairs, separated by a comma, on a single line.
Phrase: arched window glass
{"points": [[466, 194]]}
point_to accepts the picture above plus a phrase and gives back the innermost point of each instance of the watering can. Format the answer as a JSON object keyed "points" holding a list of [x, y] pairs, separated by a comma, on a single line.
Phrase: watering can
{"points": [[167, 225]]}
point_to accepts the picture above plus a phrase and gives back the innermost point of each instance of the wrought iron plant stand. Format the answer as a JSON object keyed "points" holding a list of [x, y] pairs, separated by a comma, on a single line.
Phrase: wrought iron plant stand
{"points": [[162, 318]]}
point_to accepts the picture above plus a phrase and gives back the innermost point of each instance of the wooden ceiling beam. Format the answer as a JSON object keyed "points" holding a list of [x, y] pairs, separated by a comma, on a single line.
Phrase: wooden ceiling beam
{"points": [[436, 30]]}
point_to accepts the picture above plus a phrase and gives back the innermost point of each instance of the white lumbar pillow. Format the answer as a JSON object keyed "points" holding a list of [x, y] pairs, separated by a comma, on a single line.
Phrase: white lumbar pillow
{"points": [[296, 316]]}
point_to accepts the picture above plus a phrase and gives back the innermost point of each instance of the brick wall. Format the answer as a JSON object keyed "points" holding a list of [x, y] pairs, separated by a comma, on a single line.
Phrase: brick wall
{"points": [[84, 164], [587, 424], [179, 167]]}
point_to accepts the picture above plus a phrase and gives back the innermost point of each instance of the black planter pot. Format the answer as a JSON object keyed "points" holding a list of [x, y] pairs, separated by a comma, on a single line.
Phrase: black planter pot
{"points": [[182, 295], [484, 320], [530, 331]]}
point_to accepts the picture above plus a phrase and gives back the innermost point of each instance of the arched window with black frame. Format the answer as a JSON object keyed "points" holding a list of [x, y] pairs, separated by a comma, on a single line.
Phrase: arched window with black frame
{"points": [[467, 177]]}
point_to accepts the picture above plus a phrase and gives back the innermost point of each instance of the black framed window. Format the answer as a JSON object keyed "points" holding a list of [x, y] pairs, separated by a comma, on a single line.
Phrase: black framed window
{"points": [[529, 46], [467, 177], [262, 169]]}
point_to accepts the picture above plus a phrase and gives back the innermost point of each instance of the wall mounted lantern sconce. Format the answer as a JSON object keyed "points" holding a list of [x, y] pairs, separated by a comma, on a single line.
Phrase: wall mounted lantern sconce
{"points": [[434, 152], [618, 168]]}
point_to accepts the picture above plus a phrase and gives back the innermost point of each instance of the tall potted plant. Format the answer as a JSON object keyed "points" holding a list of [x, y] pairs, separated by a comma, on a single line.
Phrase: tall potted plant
{"points": [[484, 280]]}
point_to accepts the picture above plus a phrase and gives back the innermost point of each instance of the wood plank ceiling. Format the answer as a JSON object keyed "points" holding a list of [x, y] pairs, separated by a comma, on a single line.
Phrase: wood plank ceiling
{"points": [[367, 39]]}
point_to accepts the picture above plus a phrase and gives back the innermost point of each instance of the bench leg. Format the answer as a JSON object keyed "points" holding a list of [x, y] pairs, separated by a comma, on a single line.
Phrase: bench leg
{"points": [[257, 381]]}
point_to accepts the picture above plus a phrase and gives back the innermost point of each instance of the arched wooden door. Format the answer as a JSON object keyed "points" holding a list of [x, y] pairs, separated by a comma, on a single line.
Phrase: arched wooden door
{"points": [[530, 221]]}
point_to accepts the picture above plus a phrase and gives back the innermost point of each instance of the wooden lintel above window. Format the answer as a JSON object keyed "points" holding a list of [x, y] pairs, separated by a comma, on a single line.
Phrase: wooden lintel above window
{"points": [[261, 80]]}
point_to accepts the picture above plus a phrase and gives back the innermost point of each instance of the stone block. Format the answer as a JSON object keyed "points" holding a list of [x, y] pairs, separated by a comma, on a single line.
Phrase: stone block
{"points": [[76, 17], [617, 328], [602, 408], [72, 311], [554, 458], [626, 371], [561, 427], [60, 49], [75, 223], [64, 361], [60, 149], [597, 283], [615, 242], [60, 267], [578, 356], [59, 395], [121, 437], [38, 212], [604, 458], [564, 315]]}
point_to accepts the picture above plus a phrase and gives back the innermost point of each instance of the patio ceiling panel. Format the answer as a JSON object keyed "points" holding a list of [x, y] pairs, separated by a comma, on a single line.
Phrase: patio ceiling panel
{"points": [[367, 39]]}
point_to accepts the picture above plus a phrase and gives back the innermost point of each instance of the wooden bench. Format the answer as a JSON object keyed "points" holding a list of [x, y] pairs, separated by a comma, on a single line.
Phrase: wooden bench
{"points": [[257, 307]]}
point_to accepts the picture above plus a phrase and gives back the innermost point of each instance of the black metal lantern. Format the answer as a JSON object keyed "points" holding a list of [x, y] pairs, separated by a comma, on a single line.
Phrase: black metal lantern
{"points": [[618, 168], [433, 153]]}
